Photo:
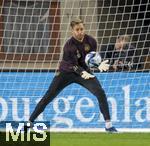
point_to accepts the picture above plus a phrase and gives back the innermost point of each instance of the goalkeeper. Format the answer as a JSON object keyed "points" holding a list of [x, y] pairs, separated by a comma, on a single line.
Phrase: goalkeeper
{"points": [[73, 69]]}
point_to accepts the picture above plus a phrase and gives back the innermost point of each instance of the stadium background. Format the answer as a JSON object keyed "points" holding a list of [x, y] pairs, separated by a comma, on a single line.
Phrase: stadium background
{"points": [[27, 68]]}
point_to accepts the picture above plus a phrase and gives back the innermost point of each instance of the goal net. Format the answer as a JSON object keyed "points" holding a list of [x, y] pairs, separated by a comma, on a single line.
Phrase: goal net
{"points": [[32, 35]]}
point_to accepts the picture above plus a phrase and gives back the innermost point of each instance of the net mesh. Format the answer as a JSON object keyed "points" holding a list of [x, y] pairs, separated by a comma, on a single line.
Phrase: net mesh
{"points": [[32, 35]]}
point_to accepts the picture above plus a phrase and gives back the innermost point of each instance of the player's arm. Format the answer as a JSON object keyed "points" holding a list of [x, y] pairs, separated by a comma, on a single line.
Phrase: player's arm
{"points": [[84, 74], [71, 57], [104, 66], [79, 70]]}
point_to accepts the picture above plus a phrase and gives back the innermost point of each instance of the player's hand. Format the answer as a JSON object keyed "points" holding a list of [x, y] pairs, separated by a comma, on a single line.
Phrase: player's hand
{"points": [[104, 66], [85, 75], [115, 65]]}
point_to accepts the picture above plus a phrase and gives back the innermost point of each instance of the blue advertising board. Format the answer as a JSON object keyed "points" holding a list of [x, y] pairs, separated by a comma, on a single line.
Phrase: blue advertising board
{"points": [[128, 95]]}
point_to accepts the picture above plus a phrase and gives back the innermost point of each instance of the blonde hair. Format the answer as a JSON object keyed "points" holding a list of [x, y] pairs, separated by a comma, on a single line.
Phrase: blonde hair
{"points": [[75, 21], [125, 38]]}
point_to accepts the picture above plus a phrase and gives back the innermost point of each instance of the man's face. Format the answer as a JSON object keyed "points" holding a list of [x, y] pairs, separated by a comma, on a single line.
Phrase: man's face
{"points": [[119, 44], [78, 31]]}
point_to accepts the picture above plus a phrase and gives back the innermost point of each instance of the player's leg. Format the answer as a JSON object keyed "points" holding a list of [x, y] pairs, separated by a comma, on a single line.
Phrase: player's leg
{"points": [[96, 89], [59, 82]]}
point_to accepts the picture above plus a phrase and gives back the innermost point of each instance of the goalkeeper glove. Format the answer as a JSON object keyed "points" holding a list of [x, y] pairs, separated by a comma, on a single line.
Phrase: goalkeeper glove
{"points": [[85, 75], [104, 66]]}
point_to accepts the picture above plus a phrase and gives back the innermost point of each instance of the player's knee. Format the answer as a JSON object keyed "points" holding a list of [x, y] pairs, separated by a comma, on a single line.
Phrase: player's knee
{"points": [[99, 92], [48, 97], [101, 96], [43, 102]]}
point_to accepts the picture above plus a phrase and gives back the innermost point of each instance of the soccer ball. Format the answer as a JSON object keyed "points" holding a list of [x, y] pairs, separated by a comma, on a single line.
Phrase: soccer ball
{"points": [[93, 59]]}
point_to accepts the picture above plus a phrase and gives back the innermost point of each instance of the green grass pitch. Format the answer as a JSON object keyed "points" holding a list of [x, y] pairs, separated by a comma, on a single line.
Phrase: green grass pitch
{"points": [[100, 139], [86, 139]]}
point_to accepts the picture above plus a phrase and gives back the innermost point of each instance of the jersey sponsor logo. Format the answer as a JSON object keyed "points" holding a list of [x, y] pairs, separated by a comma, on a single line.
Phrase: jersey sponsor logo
{"points": [[87, 47]]}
